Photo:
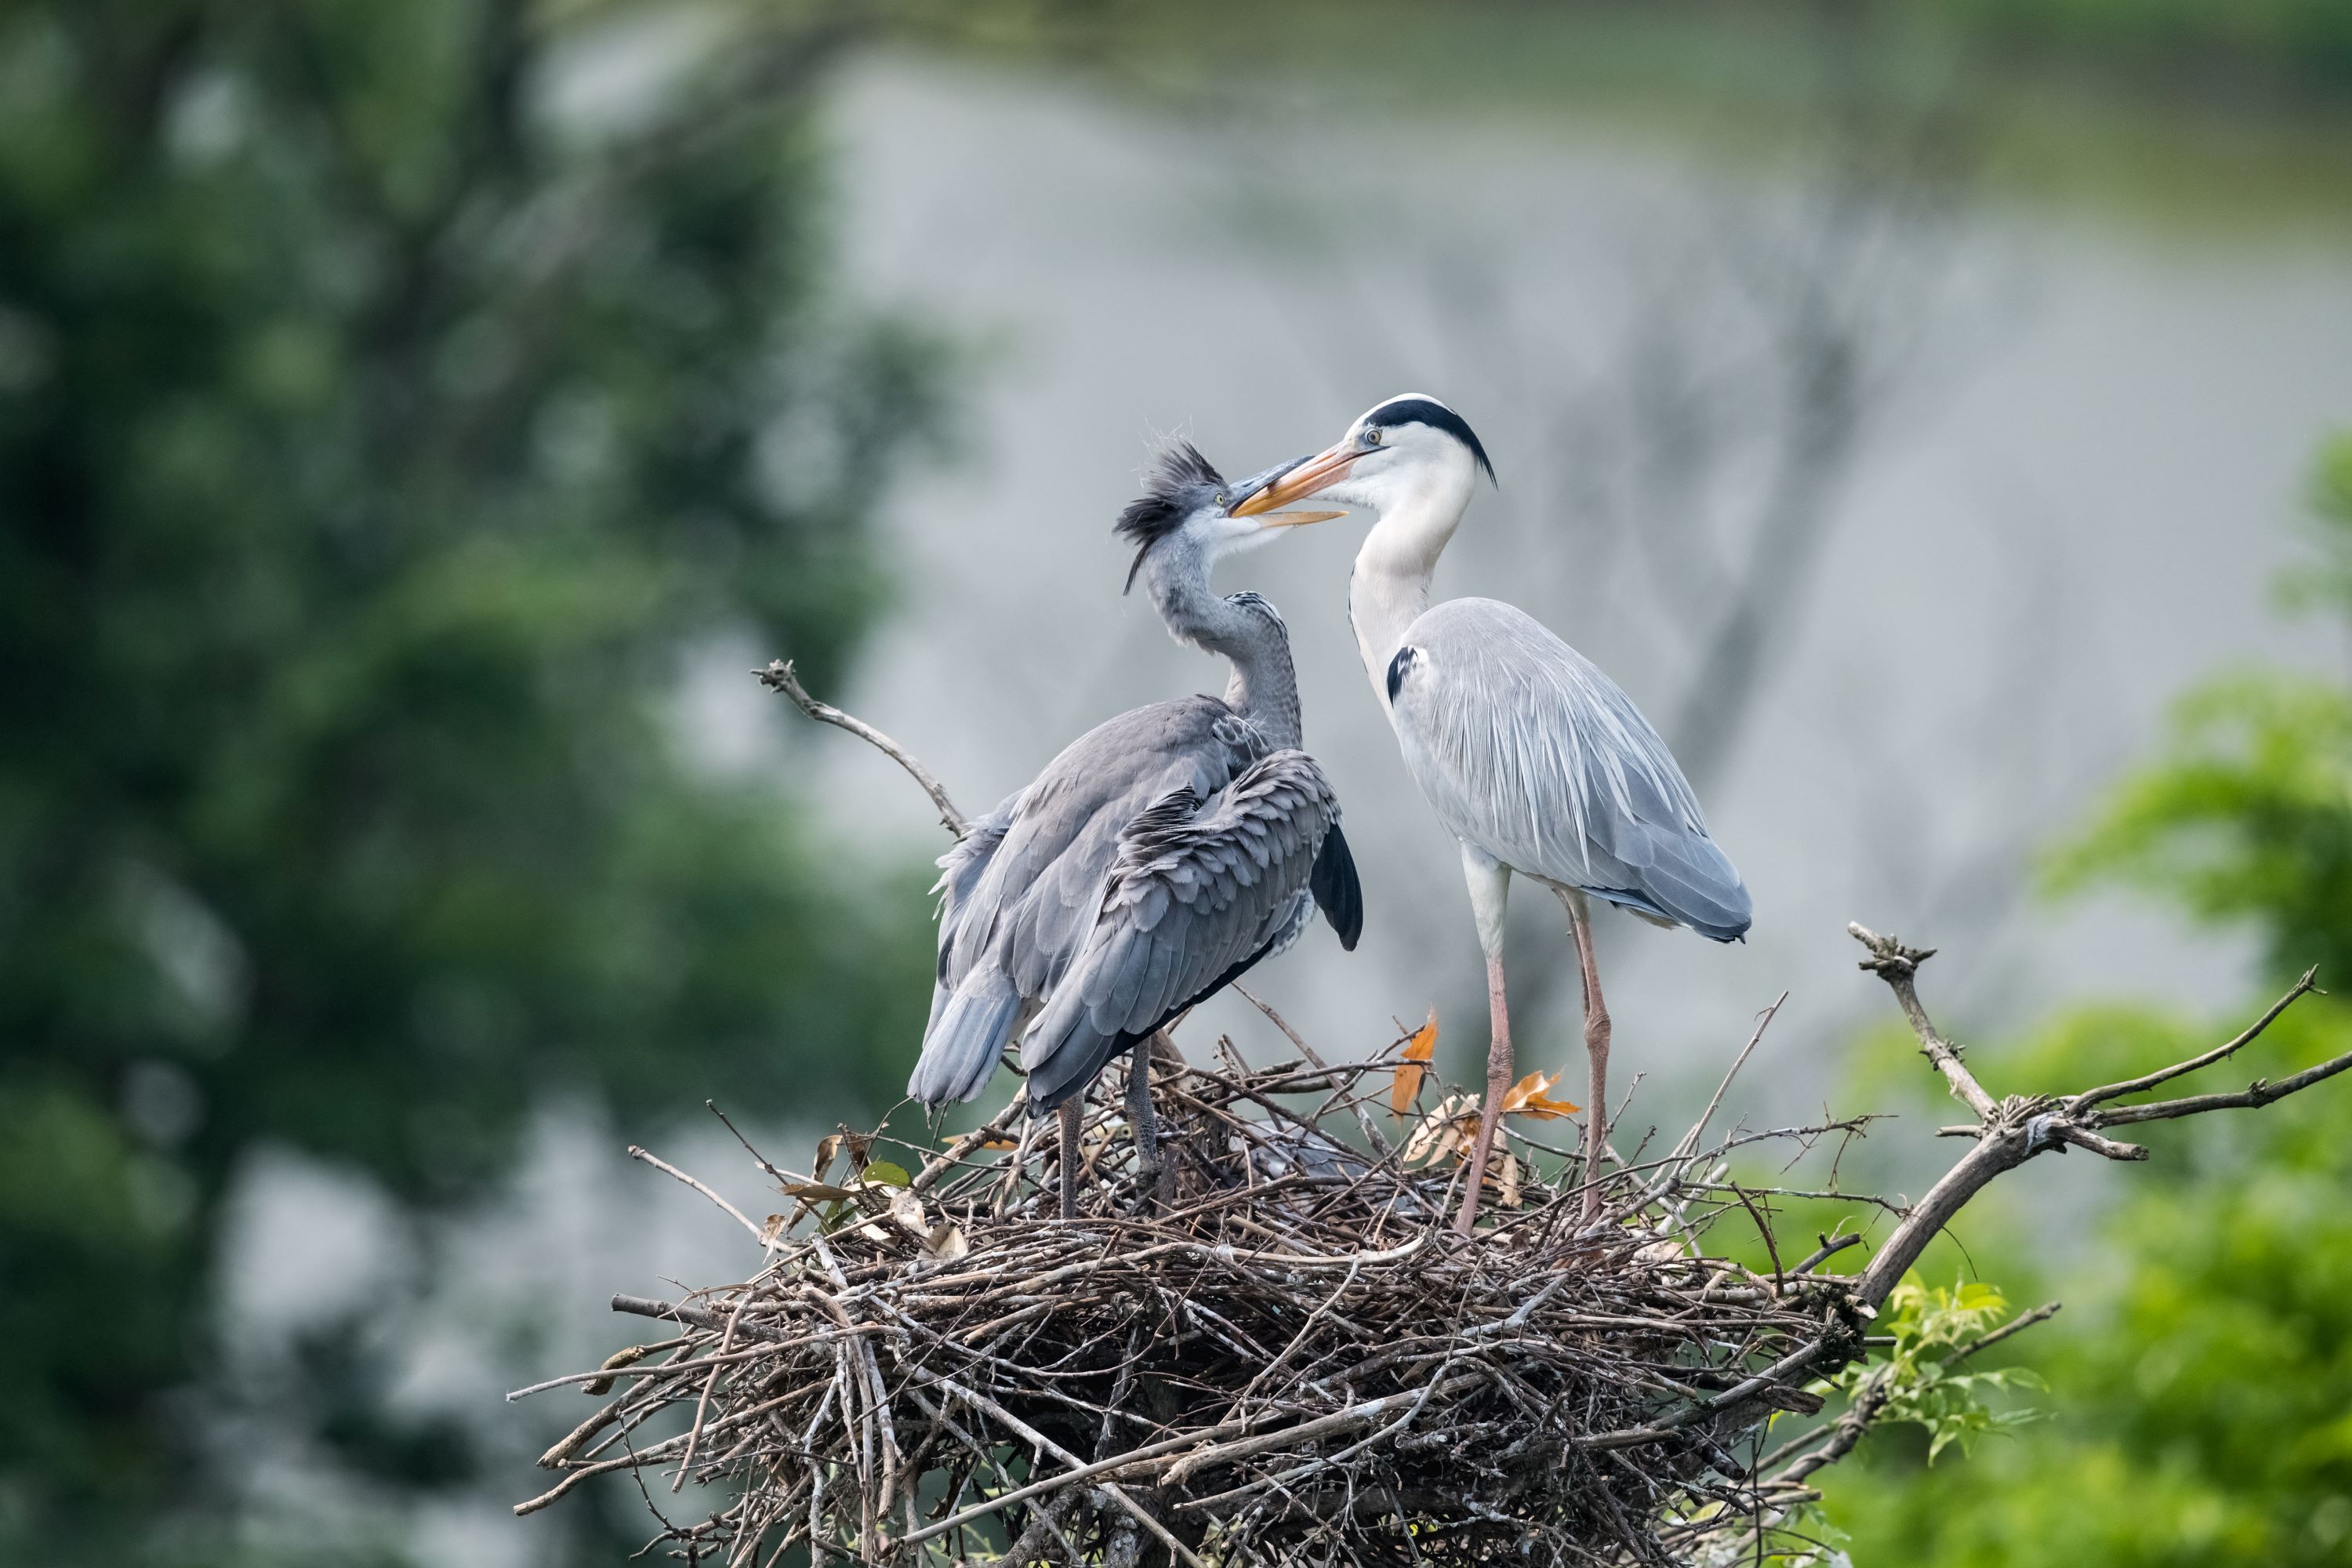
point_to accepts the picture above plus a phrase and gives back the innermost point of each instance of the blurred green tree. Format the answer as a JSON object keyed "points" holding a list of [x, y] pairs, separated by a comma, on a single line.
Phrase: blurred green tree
{"points": [[2200, 1384], [385, 418]]}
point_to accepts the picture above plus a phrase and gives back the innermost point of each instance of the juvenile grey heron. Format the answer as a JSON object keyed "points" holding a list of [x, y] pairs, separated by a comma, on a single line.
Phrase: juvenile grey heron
{"points": [[1533, 758], [1162, 854]]}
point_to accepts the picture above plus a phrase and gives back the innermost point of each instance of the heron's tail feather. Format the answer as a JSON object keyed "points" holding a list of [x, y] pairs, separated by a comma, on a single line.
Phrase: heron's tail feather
{"points": [[1064, 1050], [966, 1035], [1679, 879]]}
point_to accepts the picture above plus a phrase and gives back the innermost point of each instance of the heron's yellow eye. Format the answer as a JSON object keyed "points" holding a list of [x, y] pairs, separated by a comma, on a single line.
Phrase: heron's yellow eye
{"points": [[1221, 498], [1372, 436]]}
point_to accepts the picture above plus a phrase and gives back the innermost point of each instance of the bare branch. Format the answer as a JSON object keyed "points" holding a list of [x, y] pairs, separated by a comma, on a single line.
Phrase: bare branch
{"points": [[664, 1166], [779, 676], [1119, 1494], [1829, 1248], [2042, 1314], [2253, 1097], [1363, 1118], [2083, 1138], [1845, 1432], [2090, 1098], [957, 1151], [1899, 966], [2014, 1130], [1698, 1128]]}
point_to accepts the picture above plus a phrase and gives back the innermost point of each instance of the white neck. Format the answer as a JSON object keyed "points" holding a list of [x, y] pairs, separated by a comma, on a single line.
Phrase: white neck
{"points": [[1390, 588]]}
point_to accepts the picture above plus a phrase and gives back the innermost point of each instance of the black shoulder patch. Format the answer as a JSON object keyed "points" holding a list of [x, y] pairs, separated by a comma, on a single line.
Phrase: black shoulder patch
{"points": [[1437, 416], [1337, 892], [1403, 661]]}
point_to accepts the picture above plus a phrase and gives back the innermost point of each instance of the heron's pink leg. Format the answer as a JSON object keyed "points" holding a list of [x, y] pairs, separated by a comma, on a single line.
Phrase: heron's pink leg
{"points": [[1498, 1084], [1596, 1051]]}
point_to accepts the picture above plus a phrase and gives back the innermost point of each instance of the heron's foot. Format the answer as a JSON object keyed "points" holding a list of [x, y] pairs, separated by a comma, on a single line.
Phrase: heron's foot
{"points": [[1143, 1125], [1150, 1174]]}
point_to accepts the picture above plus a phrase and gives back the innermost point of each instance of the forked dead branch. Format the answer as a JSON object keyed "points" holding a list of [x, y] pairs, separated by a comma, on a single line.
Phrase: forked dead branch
{"points": [[1286, 1358]]}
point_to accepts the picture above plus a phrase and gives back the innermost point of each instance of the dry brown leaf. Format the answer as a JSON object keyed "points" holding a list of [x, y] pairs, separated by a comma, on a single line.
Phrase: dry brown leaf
{"points": [[1447, 1131], [907, 1210], [1509, 1178], [1418, 1050], [1531, 1095], [596, 1388], [818, 1192], [999, 1143]]}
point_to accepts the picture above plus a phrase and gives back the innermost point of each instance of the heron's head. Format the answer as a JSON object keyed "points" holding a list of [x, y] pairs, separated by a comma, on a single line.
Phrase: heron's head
{"points": [[1189, 512], [1412, 450]]}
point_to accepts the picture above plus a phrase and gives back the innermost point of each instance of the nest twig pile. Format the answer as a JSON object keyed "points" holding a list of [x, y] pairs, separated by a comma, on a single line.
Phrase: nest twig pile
{"points": [[1281, 1355]]}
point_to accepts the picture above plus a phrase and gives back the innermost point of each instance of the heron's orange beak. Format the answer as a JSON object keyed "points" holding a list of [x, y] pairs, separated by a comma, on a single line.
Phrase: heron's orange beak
{"points": [[1287, 518], [1323, 468]]}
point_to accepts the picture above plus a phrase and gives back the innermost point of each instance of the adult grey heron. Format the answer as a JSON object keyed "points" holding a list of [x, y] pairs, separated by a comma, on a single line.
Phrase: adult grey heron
{"points": [[1536, 761], [1162, 854]]}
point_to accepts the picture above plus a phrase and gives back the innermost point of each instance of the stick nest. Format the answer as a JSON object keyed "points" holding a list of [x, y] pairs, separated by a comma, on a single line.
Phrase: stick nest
{"points": [[1282, 1356]]}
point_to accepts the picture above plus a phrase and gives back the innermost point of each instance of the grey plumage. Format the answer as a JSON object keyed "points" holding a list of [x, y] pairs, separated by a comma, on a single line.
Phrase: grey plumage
{"points": [[1534, 759], [1199, 891], [1159, 856], [1525, 749]]}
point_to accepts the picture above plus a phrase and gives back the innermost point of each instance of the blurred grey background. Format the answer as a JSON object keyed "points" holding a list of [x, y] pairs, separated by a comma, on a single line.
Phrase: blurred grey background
{"points": [[1902, 401]]}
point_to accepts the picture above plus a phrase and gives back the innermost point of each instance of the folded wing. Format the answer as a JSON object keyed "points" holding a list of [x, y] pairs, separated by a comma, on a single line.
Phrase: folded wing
{"points": [[1200, 889], [1528, 752], [1021, 892]]}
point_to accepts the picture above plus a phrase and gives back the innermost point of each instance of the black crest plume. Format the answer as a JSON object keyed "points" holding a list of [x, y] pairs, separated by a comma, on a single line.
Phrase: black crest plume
{"points": [[1167, 501], [1437, 416]]}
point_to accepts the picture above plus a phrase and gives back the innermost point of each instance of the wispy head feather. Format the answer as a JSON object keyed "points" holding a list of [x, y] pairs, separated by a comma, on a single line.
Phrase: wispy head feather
{"points": [[1178, 472]]}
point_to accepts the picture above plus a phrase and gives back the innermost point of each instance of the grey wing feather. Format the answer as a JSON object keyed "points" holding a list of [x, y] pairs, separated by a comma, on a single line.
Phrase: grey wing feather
{"points": [[961, 869], [1528, 752], [1041, 889], [1021, 891], [1199, 891]]}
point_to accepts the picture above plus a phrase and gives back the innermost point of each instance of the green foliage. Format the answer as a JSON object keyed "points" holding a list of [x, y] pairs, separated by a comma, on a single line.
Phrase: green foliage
{"points": [[1917, 1375], [2311, 38], [2245, 818], [377, 446], [2202, 1373]]}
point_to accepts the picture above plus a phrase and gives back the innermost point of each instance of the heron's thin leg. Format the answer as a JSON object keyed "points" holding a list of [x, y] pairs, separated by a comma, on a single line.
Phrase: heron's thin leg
{"points": [[1072, 1112], [1596, 1050], [1490, 886], [1498, 1084], [1142, 1123]]}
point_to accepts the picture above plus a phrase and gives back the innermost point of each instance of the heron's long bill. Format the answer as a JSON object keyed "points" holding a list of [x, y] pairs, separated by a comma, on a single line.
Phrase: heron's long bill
{"points": [[1323, 468]]}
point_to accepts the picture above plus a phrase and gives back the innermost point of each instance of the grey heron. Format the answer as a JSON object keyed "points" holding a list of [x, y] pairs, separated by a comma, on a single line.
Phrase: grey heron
{"points": [[1536, 761], [1162, 854]]}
